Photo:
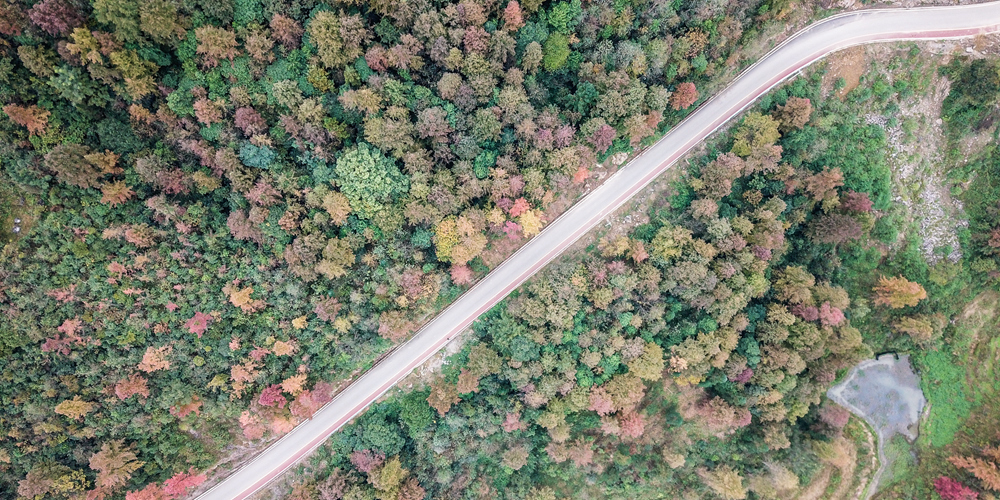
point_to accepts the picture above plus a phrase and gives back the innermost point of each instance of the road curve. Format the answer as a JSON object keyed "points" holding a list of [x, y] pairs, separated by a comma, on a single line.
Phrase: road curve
{"points": [[788, 58]]}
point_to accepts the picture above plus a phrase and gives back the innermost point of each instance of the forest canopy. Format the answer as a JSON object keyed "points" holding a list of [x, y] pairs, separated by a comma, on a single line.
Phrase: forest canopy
{"points": [[228, 205]]}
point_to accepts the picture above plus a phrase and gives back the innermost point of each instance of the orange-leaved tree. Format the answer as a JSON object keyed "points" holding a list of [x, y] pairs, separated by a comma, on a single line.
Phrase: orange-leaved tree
{"points": [[898, 292]]}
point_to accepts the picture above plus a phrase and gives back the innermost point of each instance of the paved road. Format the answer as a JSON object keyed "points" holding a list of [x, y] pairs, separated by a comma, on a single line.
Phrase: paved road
{"points": [[797, 52]]}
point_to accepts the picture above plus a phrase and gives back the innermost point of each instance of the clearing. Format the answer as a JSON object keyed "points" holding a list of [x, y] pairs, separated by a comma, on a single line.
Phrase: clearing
{"points": [[885, 393]]}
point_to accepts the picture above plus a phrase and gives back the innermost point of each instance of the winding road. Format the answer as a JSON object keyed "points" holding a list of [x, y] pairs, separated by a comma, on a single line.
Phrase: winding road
{"points": [[788, 58]]}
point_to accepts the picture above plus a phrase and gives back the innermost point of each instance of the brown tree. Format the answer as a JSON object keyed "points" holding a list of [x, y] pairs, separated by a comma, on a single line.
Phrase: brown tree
{"points": [[919, 328], [684, 96], [986, 471], [512, 17], [214, 44], [114, 465], [834, 228], [70, 165], [794, 114], [57, 17], [898, 292], [286, 30], [131, 386], [823, 183], [116, 193], [717, 177], [443, 395], [32, 117]]}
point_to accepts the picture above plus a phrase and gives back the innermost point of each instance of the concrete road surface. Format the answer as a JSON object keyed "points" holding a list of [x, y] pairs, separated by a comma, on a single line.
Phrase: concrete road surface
{"points": [[797, 52]]}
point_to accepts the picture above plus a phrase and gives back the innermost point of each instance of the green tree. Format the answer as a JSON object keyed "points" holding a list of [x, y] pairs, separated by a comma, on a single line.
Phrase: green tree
{"points": [[556, 52], [122, 14], [369, 179]]}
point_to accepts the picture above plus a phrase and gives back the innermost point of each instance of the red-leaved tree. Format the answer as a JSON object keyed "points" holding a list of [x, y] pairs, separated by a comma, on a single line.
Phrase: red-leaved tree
{"points": [[950, 489], [684, 96]]}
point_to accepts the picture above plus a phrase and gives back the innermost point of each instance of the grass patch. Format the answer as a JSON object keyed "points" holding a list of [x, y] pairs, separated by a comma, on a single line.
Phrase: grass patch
{"points": [[15, 204], [899, 454], [943, 383]]}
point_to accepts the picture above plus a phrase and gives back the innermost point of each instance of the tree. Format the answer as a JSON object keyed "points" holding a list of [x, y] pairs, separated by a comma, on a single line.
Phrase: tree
{"points": [[918, 328], [12, 20], [602, 138], [155, 359], [116, 193], [684, 96], [57, 17], [648, 366], [794, 114], [793, 285], [152, 491], [717, 177], [986, 471], [198, 323], [70, 165], [179, 484], [241, 228], [334, 486], [756, 131], [632, 425], [531, 223], [556, 52], [855, 202], [898, 292], [513, 20], [369, 179], [32, 117], [824, 183], [122, 14], [130, 386], [484, 361], [443, 395], [388, 478], [515, 458], [114, 465], [215, 43], [259, 45], [950, 489], [159, 20], [625, 390], [271, 396], [286, 30], [338, 40], [338, 257], [367, 460], [243, 298], [532, 57], [834, 229], [725, 482], [49, 479], [75, 408], [834, 415]]}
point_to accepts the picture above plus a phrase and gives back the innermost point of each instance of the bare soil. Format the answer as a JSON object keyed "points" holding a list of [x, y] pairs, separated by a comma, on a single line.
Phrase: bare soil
{"points": [[848, 64]]}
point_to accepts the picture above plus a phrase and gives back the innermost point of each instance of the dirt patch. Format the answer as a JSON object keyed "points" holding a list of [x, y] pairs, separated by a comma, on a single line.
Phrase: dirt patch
{"points": [[848, 64], [886, 393], [846, 472], [817, 488]]}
